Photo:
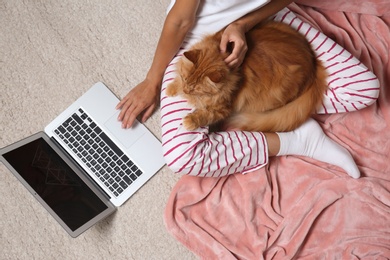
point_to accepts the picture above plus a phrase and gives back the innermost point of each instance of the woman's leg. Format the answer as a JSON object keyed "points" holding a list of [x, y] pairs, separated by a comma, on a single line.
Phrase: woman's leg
{"points": [[351, 85], [200, 153]]}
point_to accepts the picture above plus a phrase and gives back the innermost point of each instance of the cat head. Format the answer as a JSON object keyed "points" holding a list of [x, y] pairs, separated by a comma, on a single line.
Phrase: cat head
{"points": [[203, 72]]}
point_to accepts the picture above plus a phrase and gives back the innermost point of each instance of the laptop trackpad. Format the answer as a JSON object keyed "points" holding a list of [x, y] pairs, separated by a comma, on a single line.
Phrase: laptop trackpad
{"points": [[126, 136]]}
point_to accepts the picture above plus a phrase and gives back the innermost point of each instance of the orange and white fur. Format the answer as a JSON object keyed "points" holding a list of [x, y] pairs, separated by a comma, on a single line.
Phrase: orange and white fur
{"points": [[278, 86]]}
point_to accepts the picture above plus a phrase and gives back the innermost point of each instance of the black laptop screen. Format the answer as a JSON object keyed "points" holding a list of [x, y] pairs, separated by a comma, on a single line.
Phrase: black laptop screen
{"points": [[56, 183]]}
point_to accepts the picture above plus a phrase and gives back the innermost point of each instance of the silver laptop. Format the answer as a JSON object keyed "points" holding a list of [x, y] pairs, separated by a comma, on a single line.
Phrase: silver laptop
{"points": [[85, 164]]}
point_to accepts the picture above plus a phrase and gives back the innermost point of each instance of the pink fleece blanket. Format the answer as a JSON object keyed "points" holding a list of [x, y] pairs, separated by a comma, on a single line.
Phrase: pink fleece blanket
{"points": [[298, 208]]}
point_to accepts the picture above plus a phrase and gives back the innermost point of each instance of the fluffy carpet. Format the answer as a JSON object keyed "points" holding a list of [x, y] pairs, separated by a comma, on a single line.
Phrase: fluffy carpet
{"points": [[50, 53]]}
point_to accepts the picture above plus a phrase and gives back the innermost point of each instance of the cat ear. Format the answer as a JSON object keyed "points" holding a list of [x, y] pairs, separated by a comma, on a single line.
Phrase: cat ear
{"points": [[216, 76], [192, 55]]}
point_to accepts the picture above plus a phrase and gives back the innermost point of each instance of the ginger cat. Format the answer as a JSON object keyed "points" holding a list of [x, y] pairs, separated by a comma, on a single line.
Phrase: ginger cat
{"points": [[278, 86]]}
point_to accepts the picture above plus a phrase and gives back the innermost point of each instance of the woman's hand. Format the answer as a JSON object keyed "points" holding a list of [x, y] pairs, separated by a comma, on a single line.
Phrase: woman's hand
{"points": [[234, 35], [142, 99]]}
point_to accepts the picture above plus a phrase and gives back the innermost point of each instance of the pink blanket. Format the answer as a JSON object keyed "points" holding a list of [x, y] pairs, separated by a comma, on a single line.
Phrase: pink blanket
{"points": [[298, 208]]}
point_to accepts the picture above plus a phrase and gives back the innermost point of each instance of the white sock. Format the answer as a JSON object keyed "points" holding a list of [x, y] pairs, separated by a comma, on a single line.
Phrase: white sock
{"points": [[309, 140]]}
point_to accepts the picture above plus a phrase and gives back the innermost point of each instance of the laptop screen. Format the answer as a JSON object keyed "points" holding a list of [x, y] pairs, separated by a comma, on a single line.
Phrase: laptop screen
{"points": [[56, 183]]}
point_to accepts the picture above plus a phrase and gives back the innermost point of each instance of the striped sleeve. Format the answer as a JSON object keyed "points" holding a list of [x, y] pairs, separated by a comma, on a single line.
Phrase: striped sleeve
{"points": [[199, 152], [351, 86]]}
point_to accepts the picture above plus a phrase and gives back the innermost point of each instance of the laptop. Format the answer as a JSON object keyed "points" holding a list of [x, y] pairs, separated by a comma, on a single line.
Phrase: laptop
{"points": [[85, 165]]}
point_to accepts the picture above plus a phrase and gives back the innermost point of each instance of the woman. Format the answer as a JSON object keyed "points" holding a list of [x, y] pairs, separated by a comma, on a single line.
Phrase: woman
{"points": [[200, 153]]}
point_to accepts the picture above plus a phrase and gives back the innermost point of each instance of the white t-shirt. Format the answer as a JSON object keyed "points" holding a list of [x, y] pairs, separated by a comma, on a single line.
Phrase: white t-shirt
{"points": [[213, 15]]}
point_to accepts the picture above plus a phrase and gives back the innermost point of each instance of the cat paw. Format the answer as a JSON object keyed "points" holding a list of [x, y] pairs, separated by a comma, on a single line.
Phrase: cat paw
{"points": [[171, 90], [189, 123]]}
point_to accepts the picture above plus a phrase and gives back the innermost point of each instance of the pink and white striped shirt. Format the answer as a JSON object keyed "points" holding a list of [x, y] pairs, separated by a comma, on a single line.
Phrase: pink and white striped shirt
{"points": [[200, 153]]}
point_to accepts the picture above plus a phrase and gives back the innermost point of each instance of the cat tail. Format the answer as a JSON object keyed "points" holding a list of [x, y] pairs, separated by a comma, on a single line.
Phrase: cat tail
{"points": [[287, 117]]}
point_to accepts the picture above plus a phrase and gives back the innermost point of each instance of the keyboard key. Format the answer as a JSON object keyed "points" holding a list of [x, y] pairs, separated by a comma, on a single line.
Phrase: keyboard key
{"points": [[134, 168], [62, 129], [77, 118], [97, 130], [111, 144], [123, 185], [67, 122], [130, 164], [127, 179], [133, 176], [138, 172], [125, 159]]}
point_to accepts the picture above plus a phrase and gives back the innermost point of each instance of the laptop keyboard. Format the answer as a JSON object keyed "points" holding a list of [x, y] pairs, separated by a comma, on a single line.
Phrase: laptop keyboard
{"points": [[97, 152]]}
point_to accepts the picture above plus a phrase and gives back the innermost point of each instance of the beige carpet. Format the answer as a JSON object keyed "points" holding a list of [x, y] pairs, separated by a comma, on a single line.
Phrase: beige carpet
{"points": [[50, 53]]}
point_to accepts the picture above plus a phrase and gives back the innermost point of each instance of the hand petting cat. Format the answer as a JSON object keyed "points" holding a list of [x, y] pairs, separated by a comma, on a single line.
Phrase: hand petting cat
{"points": [[233, 40], [143, 98]]}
